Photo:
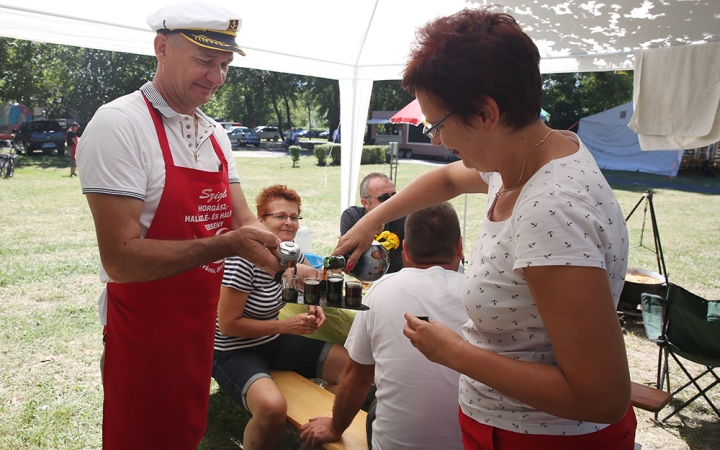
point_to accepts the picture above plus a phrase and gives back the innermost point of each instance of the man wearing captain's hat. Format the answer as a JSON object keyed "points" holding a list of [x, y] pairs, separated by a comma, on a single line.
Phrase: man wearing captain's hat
{"points": [[163, 189]]}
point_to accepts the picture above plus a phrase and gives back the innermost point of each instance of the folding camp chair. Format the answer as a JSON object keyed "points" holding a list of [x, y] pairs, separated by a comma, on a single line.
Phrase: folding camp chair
{"points": [[686, 327]]}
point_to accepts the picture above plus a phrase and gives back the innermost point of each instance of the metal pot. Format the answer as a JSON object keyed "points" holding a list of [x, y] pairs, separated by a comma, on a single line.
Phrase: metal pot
{"points": [[630, 295]]}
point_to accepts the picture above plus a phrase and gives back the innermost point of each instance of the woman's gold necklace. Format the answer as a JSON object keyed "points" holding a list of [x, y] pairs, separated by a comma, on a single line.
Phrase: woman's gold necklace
{"points": [[502, 191]]}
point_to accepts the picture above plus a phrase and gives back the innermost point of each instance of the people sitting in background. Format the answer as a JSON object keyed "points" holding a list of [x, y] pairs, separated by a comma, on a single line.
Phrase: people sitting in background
{"points": [[416, 399], [375, 188], [250, 341]]}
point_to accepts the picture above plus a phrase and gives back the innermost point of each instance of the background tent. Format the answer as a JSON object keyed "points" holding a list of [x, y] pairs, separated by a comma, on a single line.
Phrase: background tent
{"points": [[12, 115], [617, 147], [359, 41]]}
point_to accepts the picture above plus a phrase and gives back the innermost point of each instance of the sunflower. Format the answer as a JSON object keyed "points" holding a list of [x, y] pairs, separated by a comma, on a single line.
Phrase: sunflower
{"points": [[388, 240]]}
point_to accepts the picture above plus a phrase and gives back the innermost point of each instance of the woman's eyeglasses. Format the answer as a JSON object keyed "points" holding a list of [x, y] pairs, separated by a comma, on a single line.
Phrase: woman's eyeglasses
{"points": [[283, 217], [382, 197], [431, 130]]}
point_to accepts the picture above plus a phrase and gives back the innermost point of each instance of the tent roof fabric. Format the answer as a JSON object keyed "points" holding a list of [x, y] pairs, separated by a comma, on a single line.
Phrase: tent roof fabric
{"points": [[370, 39]]}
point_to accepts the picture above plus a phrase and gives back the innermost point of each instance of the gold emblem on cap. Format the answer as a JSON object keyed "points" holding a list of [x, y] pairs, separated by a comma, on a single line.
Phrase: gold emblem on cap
{"points": [[233, 25], [206, 40]]}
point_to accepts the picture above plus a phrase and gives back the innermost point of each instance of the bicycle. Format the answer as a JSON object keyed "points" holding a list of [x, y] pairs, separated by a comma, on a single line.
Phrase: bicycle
{"points": [[7, 163]]}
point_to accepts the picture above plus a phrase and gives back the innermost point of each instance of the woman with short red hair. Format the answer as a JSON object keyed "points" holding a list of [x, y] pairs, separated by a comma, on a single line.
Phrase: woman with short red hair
{"points": [[250, 340], [542, 357]]}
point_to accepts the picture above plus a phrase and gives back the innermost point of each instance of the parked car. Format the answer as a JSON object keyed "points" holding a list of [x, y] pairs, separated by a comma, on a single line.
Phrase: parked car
{"points": [[306, 133], [242, 136], [45, 135], [228, 125], [269, 133], [324, 134]]}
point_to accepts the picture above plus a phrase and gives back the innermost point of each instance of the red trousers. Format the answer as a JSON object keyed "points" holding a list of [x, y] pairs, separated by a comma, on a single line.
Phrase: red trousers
{"points": [[618, 436]]}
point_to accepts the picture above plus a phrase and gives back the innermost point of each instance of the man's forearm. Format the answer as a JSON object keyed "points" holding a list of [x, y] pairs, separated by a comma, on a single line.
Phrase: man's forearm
{"points": [[139, 260], [352, 392], [152, 259]]}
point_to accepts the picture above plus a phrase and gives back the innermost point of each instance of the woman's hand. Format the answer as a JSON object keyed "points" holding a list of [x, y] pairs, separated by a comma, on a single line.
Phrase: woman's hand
{"points": [[318, 313], [433, 339], [305, 323], [356, 241]]}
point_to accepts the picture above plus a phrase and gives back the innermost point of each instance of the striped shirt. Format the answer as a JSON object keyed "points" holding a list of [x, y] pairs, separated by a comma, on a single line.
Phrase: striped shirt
{"points": [[263, 302]]}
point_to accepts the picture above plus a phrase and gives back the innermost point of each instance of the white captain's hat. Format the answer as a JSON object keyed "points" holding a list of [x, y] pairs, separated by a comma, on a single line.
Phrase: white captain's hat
{"points": [[204, 24]]}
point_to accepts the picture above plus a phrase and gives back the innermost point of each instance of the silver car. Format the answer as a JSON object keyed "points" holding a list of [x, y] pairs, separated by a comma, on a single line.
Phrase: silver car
{"points": [[268, 133], [242, 136]]}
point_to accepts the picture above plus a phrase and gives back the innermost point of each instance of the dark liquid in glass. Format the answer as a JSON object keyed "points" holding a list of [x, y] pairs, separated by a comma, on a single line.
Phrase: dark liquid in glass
{"points": [[334, 290], [290, 295], [353, 294], [312, 292]]}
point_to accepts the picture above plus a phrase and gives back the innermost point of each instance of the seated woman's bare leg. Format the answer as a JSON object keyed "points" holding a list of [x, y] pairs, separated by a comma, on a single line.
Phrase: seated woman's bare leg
{"points": [[269, 411], [334, 366]]}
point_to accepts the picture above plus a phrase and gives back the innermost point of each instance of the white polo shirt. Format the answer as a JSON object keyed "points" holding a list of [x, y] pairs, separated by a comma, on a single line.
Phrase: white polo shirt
{"points": [[119, 152]]}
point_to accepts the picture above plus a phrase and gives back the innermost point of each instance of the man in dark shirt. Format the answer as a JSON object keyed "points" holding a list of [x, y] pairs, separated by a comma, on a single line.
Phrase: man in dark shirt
{"points": [[72, 139], [375, 188]]}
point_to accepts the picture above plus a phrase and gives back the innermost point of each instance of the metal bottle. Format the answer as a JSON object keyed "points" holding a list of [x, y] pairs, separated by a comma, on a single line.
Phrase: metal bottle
{"points": [[372, 265], [288, 253]]}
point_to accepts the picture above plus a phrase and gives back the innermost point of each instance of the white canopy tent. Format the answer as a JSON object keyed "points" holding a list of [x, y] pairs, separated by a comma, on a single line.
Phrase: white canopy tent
{"points": [[359, 41], [616, 147]]}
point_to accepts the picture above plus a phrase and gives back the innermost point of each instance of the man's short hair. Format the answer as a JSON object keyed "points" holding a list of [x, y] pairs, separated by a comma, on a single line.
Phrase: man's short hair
{"points": [[431, 234], [366, 181]]}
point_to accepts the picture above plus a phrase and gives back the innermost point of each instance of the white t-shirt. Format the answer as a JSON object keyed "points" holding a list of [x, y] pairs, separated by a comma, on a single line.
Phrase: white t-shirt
{"points": [[417, 400], [566, 214], [119, 153]]}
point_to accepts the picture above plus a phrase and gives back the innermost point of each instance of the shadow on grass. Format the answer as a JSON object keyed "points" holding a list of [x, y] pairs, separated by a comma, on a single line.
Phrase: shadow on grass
{"points": [[697, 425], [686, 180], [697, 434], [41, 161], [226, 424]]}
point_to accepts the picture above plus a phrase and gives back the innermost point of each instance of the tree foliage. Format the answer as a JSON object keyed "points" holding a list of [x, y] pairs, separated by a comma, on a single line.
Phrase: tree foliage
{"points": [[568, 97], [73, 82], [68, 81]]}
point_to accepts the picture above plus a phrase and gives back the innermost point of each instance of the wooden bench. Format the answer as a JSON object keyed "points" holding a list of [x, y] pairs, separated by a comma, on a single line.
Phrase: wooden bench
{"points": [[648, 398], [306, 400]]}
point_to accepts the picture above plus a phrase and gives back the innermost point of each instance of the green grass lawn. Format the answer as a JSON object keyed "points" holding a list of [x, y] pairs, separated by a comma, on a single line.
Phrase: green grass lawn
{"points": [[50, 391]]}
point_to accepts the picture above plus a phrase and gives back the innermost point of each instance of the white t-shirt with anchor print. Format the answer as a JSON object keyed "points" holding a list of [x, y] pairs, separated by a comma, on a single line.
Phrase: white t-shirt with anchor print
{"points": [[565, 215]]}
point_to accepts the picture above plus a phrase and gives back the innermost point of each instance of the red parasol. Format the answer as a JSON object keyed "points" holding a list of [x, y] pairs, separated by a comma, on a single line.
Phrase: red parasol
{"points": [[409, 114]]}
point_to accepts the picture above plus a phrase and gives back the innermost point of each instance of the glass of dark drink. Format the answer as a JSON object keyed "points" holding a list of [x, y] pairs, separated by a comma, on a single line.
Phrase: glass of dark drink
{"points": [[312, 291], [290, 288], [334, 290], [353, 293]]}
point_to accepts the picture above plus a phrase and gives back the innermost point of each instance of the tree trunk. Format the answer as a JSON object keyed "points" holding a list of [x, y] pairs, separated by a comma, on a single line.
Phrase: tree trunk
{"points": [[250, 108]]}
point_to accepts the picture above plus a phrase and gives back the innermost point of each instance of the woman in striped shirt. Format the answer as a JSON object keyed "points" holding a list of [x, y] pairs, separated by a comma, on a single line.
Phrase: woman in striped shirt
{"points": [[250, 340]]}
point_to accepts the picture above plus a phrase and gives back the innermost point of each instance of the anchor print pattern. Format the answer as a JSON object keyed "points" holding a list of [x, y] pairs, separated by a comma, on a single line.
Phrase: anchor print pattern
{"points": [[564, 216]]}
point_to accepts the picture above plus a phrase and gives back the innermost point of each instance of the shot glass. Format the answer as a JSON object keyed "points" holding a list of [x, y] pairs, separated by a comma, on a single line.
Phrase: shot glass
{"points": [[353, 293], [334, 290], [290, 288], [312, 291]]}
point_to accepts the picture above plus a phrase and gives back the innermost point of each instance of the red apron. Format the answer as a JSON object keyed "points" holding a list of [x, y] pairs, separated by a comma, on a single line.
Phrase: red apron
{"points": [[160, 334]]}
